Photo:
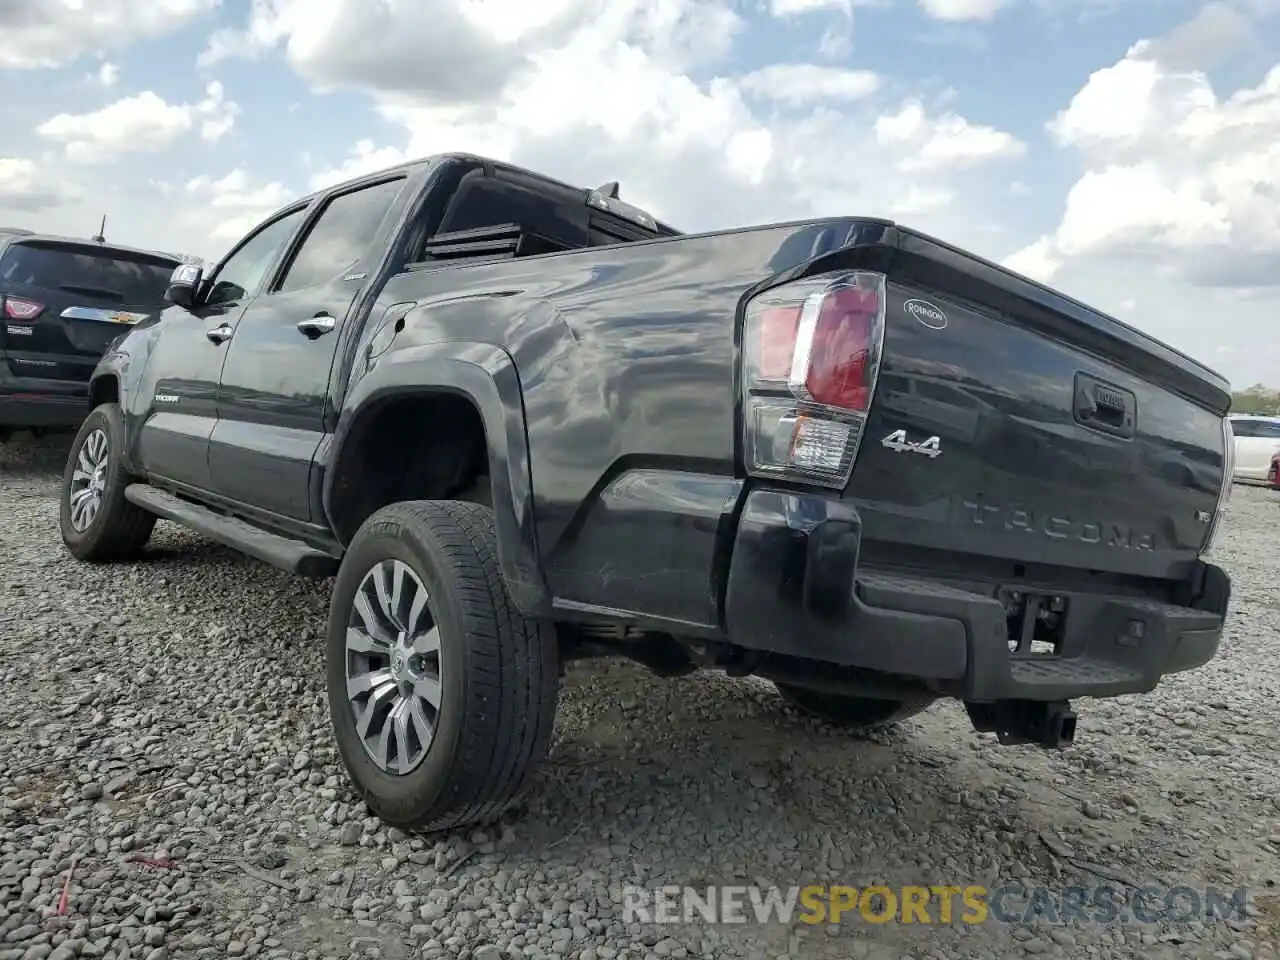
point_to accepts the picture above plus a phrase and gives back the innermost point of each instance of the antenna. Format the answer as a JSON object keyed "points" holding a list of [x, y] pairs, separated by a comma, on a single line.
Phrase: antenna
{"points": [[100, 237]]}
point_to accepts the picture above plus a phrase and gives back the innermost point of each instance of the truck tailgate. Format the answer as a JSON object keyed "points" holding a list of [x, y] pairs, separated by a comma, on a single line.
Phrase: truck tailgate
{"points": [[1012, 423]]}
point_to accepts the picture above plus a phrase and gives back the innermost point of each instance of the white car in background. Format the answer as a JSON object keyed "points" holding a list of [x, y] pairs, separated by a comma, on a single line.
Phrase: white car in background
{"points": [[1257, 438]]}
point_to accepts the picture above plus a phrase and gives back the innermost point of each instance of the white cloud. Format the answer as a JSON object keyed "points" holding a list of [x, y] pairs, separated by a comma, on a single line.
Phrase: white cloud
{"points": [[800, 8], [445, 51], [791, 8], [143, 123], [1038, 260], [835, 44], [955, 11], [27, 188], [919, 201], [506, 78], [1176, 173], [1217, 30], [802, 83], [457, 51], [51, 33], [108, 74], [948, 142], [367, 158], [228, 207]]}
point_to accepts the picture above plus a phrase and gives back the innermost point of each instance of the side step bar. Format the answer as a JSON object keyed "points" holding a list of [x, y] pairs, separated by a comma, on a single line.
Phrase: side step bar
{"points": [[291, 555]]}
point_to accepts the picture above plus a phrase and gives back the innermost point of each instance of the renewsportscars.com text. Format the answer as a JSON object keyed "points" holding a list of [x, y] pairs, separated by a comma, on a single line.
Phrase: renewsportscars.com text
{"points": [[937, 904]]}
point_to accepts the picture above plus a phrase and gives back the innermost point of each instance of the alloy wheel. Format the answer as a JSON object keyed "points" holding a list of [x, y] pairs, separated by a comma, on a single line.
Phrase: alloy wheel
{"points": [[88, 480], [394, 668]]}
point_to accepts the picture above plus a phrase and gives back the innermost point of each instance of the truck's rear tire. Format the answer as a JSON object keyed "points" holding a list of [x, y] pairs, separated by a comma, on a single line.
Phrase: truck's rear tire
{"points": [[465, 686], [97, 523], [853, 713]]}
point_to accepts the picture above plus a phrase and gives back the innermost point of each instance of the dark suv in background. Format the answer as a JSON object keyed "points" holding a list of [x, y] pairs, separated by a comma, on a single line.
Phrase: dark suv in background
{"points": [[62, 301]]}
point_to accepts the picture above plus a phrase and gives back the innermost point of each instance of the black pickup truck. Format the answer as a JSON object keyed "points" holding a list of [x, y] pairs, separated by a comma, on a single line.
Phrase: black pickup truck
{"points": [[521, 422]]}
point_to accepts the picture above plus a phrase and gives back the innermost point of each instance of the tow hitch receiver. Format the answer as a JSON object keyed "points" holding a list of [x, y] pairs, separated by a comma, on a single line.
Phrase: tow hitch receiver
{"points": [[1045, 723]]}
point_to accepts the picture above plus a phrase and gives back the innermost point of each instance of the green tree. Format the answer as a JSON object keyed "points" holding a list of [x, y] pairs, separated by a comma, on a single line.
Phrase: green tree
{"points": [[1259, 399]]}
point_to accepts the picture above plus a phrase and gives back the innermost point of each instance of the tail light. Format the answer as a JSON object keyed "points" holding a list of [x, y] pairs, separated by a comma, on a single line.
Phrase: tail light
{"points": [[1224, 489], [811, 351], [17, 308]]}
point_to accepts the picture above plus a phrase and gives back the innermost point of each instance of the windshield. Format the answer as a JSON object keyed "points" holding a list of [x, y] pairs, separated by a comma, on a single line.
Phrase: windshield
{"points": [[124, 276]]}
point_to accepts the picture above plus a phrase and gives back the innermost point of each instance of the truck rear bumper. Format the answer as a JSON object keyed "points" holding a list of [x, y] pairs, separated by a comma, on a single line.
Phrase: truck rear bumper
{"points": [[38, 402], [795, 589]]}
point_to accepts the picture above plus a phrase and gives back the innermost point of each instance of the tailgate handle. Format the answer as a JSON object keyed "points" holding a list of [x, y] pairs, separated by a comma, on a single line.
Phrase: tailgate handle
{"points": [[1104, 407]]}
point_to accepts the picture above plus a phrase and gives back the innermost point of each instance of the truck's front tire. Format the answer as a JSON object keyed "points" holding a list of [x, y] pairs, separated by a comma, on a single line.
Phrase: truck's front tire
{"points": [[853, 713], [96, 521], [441, 695]]}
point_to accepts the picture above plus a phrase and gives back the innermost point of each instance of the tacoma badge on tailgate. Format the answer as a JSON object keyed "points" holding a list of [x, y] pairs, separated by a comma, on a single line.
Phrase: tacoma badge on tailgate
{"points": [[1102, 533]]}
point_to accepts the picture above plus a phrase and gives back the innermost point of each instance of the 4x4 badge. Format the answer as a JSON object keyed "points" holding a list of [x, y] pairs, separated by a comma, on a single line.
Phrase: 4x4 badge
{"points": [[898, 442]]}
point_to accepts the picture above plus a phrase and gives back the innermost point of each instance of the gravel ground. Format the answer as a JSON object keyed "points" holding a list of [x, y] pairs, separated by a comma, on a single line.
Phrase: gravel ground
{"points": [[164, 740]]}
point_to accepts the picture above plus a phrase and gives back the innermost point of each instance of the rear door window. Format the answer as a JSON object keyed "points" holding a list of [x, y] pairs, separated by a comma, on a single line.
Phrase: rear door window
{"points": [[342, 236], [116, 276]]}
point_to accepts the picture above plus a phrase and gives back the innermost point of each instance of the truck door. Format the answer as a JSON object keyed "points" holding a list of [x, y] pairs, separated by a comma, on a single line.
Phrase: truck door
{"points": [[181, 379], [274, 390]]}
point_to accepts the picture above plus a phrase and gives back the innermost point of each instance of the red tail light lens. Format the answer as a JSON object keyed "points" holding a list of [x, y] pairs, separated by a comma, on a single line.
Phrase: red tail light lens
{"points": [[16, 308], [839, 360], [816, 339], [811, 352]]}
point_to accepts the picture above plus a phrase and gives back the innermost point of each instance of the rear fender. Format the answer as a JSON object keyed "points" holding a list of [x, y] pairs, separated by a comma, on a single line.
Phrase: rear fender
{"points": [[486, 375]]}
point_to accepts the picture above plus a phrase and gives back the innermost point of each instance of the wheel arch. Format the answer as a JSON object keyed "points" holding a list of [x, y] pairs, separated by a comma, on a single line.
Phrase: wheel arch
{"points": [[104, 388], [446, 380]]}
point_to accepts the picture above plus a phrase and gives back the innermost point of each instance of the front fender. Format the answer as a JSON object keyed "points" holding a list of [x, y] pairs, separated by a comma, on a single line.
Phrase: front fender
{"points": [[487, 376], [116, 377]]}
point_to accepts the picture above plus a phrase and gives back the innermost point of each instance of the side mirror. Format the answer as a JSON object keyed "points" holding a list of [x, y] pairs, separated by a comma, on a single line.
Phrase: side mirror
{"points": [[184, 285]]}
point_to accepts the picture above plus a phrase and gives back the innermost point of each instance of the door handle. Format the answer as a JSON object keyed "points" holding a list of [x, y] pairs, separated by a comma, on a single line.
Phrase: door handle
{"points": [[317, 326], [219, 334]]}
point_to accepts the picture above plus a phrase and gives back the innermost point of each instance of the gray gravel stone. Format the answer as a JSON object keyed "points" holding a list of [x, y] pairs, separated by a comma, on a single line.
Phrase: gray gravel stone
{"points": [[165, 725]]}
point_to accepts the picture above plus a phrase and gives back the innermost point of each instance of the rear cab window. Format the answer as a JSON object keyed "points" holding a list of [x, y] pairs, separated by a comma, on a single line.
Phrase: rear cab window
{"points": [[552, 216], [483, 200], [126, 277]]}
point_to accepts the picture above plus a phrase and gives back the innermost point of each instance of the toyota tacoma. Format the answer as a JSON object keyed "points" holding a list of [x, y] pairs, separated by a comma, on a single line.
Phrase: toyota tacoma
{"points": [[520, 423]]}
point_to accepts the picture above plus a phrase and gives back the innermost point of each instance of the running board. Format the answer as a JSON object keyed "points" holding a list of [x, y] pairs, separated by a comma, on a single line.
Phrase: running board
{"points": [[285, 553]]}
